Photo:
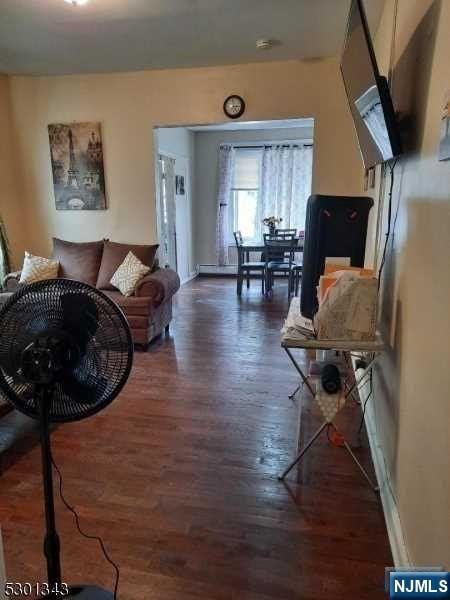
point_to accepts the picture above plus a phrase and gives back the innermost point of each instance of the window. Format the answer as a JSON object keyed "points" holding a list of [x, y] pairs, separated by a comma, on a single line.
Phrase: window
{"points": [[245, 197], [269, 180]]}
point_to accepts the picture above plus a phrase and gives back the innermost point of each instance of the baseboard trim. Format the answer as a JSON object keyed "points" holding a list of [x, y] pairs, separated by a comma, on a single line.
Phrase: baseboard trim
{"points": [[391, 513], [215, 270], [190, 278], [226, 271], [217, 275]]}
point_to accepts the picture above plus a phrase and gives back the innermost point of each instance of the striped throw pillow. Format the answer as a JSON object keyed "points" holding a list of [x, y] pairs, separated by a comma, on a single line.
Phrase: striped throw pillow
{"points": [[36, 268]]}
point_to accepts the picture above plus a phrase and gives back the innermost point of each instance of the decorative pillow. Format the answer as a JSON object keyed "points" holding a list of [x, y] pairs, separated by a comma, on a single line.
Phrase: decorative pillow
{"points": [[79, 261], [36, 268], [114, 255], [128, 275]]}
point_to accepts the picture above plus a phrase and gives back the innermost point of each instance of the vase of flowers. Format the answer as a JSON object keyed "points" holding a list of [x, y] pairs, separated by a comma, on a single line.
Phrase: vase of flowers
{"points": [[271, 223]]}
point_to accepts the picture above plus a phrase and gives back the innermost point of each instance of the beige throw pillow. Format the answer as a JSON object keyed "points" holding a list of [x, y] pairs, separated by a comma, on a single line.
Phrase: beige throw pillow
{"points": [[129, 273], [36, 268]]}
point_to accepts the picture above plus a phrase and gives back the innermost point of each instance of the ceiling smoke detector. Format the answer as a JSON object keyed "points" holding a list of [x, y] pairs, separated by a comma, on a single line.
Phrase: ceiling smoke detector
{"points": [[263, 44]]}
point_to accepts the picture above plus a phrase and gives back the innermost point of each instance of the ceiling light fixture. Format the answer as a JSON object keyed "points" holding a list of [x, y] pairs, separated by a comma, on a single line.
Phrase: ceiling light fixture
{"points": [[77, 2]]}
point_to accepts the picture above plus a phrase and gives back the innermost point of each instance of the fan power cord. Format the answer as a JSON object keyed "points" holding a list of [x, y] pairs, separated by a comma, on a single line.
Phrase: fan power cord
{"points": [[86, 535], [369, 395]]}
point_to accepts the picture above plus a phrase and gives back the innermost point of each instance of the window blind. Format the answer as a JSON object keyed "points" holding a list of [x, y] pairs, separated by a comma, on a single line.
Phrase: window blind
{"points": [[246, 169]]}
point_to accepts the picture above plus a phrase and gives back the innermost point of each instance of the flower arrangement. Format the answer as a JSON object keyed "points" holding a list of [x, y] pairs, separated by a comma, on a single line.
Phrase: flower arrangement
{"points": [[272, 222]]}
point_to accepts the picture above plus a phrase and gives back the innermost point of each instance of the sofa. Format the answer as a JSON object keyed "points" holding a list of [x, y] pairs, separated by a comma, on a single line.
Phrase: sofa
{"points": [[148, 310]]}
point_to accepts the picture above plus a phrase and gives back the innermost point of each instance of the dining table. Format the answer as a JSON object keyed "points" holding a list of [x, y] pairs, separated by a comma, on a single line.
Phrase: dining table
{"points": [[247, 247]]}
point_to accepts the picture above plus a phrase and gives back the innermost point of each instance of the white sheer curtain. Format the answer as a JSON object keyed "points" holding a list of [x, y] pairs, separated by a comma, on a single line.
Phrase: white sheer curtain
{"points": [[226, 166], [286, 175], [166, 250]]}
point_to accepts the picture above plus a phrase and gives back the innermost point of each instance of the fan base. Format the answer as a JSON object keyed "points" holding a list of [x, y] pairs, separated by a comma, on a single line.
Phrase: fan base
{"points": [[89, 592]]}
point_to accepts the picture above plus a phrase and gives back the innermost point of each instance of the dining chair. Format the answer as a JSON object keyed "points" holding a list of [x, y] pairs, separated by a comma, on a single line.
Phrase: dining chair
{"points": [[298, 269], [245, 267], [297, 275], [279, 255], [289, 232]]}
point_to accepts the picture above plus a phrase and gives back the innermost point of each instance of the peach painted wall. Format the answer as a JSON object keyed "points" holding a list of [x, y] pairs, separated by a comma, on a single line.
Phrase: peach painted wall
{"points": [[11, 207], [129, 105], [411, 393]]}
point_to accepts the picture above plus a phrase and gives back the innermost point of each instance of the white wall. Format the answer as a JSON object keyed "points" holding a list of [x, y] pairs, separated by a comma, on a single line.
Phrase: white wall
{"points": [[178, 143], [206, 185]]}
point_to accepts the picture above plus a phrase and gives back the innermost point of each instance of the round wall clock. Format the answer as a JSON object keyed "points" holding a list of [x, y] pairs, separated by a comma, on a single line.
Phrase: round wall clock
{"points": [[234, 106]]}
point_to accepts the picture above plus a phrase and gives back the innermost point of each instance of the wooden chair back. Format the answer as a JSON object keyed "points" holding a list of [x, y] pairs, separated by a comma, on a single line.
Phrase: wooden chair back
{"points": [[238, 238], [279, 247]]}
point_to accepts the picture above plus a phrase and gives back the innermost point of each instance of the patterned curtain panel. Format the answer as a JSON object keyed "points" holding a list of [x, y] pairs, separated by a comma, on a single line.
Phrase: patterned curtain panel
{"points": [[5, 266], [286, 175], [226, 160]]}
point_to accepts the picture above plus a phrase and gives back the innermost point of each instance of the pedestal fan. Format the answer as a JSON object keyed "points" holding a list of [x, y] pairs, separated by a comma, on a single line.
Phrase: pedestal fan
{"points": [[65, 353]]}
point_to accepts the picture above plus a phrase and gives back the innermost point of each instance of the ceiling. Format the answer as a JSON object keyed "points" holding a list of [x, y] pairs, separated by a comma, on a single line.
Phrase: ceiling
{"points": [[51, 37]]}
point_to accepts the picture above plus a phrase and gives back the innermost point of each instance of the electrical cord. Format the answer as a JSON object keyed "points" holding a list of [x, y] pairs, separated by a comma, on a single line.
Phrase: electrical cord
{"points": [[369, 395], [388, 232], [86, 535]]}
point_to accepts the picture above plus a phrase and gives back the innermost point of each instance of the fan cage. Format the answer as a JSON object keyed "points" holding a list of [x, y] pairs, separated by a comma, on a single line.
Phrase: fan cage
{"points": [[103, 369]]}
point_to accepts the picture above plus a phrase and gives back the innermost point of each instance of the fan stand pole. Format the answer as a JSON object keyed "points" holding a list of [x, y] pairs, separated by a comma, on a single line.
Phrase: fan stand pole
{"points": [[51, 542], [43, 394]]}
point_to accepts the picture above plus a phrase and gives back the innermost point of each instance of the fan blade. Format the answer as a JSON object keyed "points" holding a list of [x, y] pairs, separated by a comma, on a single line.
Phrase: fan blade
{"points": [[80, 318], [78, 391], [11, 355]]}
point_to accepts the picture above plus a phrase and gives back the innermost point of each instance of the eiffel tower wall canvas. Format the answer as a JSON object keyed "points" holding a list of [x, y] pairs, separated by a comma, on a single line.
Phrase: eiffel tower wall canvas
{"points": [[76, 155]]}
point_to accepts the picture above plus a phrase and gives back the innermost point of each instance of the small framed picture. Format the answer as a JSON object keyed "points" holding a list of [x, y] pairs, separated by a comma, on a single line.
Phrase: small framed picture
{"points": [[179, 185]]}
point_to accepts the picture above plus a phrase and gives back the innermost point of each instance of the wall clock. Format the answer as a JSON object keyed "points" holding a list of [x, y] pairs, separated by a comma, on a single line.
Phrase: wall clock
{"points": [[234, 106]]}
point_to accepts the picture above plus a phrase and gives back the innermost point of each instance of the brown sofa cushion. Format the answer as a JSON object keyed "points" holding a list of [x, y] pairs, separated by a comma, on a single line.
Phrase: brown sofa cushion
{"points": [[80, 261], [114, 255]]}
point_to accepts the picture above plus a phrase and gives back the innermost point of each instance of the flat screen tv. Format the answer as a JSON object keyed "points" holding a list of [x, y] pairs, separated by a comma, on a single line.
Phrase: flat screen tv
{"points": [[368, 93]]}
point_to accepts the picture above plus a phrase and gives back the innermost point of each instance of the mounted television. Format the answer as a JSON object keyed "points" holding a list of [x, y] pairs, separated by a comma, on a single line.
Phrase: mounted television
{"points": [[368, 93]]}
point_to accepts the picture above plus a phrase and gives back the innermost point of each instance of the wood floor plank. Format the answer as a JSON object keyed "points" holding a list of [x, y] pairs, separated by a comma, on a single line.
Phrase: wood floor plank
{"points": [[178, 475]]}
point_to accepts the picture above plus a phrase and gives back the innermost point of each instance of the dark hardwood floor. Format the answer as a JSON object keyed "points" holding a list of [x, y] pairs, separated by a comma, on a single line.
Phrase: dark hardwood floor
{"points": [[179, 474]]}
